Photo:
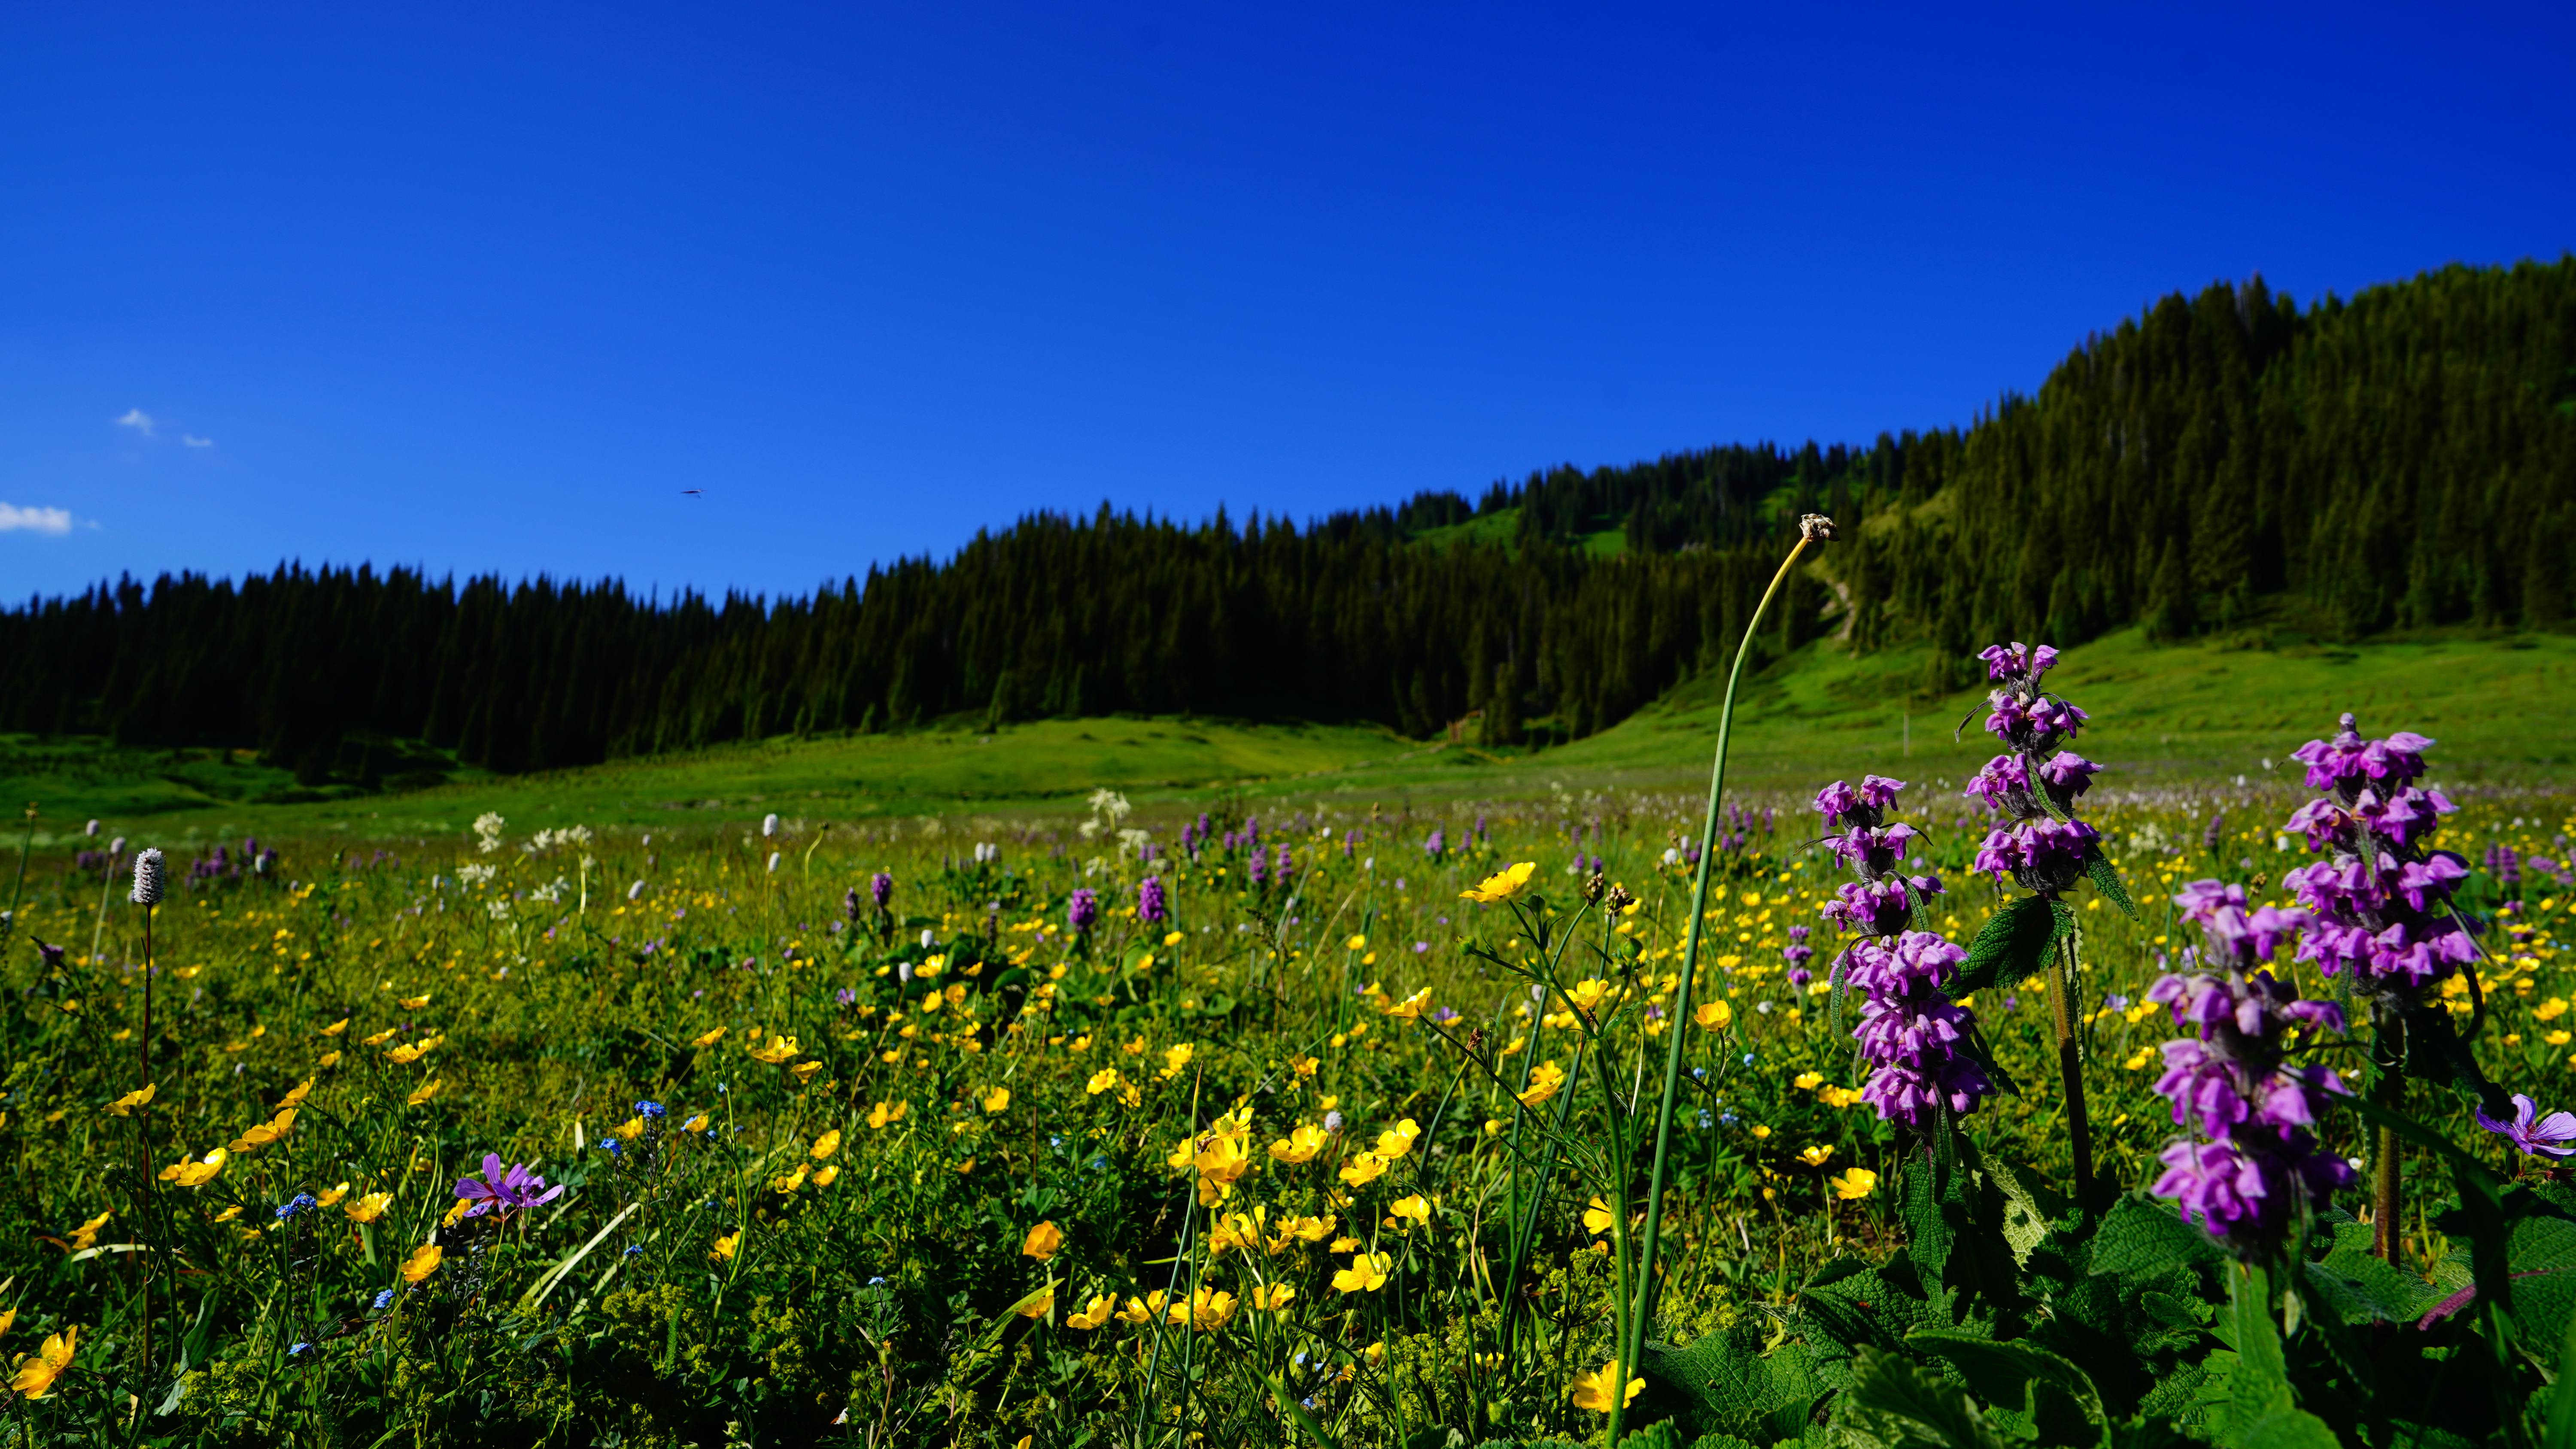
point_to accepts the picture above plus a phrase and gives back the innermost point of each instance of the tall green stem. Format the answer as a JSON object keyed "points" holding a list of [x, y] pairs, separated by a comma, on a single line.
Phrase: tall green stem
{"points": [[1633, 1347]]}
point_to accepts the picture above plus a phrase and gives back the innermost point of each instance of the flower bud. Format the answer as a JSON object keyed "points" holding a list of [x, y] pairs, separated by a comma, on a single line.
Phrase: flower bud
{"points": [[147, 878]]}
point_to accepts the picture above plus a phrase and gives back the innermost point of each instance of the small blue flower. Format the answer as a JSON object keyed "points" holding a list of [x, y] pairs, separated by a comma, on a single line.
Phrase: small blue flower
{"points": [[1700, 1072], [301, 1202], [1054, 1141], [873, 1282], [1703, 1117], [634, 1249], [609, 1146], [649, 1111], [1748, 1059], [384, 1300], [299, 1348]]}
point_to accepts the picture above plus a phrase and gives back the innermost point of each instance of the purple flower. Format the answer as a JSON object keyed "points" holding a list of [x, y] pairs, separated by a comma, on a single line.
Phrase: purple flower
{"points": [[506, 1191], [1256, 870], [881, 889], [1151, 907], [2017, 663], [1082, 910], [1286, 867], [1836, 801], [1434, 846], [2228, 1083], [1912, 1036], [2553, 1136]]}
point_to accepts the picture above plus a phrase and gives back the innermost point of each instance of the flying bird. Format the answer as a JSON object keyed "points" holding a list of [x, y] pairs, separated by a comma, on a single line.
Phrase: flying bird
{"points": [[695, 492]]}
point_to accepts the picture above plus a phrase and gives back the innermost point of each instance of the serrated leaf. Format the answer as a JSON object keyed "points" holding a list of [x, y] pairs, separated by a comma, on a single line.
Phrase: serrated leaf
{"points": [[2106, 879], [2064, 1405], [2144, 1235], [2013, 946], [1723, 1383], [2288, 1429], [1906, 1408]]}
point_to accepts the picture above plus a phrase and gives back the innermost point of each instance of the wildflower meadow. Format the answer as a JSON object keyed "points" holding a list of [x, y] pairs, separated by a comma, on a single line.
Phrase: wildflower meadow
{"points": [[2031, 1107]]}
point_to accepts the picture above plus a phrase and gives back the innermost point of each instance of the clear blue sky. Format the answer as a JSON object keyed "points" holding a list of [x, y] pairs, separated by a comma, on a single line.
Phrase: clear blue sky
{"points": [[484, 287]]}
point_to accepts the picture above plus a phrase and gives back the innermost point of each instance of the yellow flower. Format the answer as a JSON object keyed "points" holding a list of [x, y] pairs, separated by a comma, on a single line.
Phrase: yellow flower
{"points": [[1176, 1059], [1815, 1156], [1308, 1230], [780, 1049], [1398, 1139], [37, 1371], [827, 1174], [1303, 1066], [330, 1196], [423, 1262], [86, 1235], [456, 1213], [1808, 1081], [695, 1124], [414, 1003], [1856, 1182], [1366, 1274], [804, 1071], [428, 1090], [1210, 1310], [1412, 1006], [997, 1101], [1042, 1306], [1234, 1230], [1299, 1145], [131, 1100], [1104, 1080], [228, 1214], [1838, 1097], [825, 1145], [1598, 1217], [371, 1207], [1271, 1297], [884, 1112], [195, 1174], [724, 1247], [1761, 1131], [1599, 1391], [337, 1027], [1501, 886], [709, 1038], [1042, 1241], [8, 1316], [1545, 1078], [1356, 943], [267, 1132], [1415, 1210], [1588, 994], [380, 1038], [789, 1181], [295, 1097], [1363, 1169], [1713, 1015], [403, 1056], [1099, 1312]]}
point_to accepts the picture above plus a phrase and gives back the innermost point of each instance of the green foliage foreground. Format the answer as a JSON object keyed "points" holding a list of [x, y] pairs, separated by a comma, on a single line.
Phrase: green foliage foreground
{"points": [[953, 1171]]}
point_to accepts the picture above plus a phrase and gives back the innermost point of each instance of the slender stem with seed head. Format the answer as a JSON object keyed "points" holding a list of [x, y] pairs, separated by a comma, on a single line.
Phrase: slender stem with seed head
{"points": [[1633, 1346]]}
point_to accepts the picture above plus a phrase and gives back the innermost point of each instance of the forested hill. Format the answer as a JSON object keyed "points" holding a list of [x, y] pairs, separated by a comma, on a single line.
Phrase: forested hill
{"points": [[2406, 457]]}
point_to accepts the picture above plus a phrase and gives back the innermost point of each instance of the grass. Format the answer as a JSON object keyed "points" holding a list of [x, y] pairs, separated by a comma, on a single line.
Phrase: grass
{"points": [[2189, 712]]}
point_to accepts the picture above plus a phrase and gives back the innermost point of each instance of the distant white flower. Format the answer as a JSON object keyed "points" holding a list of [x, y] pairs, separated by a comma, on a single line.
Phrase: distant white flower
{"points": [[498, 908], [635, 892], [769, 826], [487, 831], [477, 873], [773, 857], [147, 877]]}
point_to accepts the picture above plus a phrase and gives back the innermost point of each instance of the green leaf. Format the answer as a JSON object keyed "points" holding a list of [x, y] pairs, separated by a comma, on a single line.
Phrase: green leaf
{"points": [[1288, 1405], [2013, 946], [2561, 1431], [2288, 1429], [2144, 1236], [1929, 1233], [1724, 1383], [2106, 879], [2063, 1404], [1905, 1408]]}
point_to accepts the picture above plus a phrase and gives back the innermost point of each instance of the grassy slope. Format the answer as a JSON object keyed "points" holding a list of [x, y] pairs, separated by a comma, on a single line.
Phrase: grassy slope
{"points": [[2500, 709]]}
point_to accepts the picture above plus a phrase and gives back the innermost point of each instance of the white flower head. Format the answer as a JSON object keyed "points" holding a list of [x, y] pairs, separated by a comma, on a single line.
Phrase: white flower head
{"points": [[635, 892], [487, 831], [769, 826]]}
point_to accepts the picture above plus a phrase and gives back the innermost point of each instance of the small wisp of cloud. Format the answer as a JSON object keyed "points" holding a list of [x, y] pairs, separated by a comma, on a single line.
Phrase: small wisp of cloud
{"points": [[54, 522], [193, 441], [137, 419]]}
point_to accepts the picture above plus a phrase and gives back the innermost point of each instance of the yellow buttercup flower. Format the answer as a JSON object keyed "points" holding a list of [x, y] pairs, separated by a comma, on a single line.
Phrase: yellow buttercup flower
{"points": [[1411, 1007], [337, 1027], [997, 1101], [1838, 1097], [825, 1145], [1101, 1310], [327, 1060], [724, 1247], [1209, 1310], [827, 1174], [709, 1038], [1366, 1274], [1398, 1139], [124, 1105], [1815, 1156], [1042, 1241], [423, 1262], [1598, 1217], [1600, 1392], [330, 1196], [38, 1370], [1271, 1297], [1176, 1060], [1856, 1182], [1545, 1078], [85, 1236], [196, 1174], [1356, 943], [1042, 1305], [1300, 1145], [1414, 1211], [296, 1095], [780, 1049], [1363, 1169], [1588, 994], [885, 1112], [414, 1003], [1104, 1080], [427, 1090], [380, 1038], [1502, 885], [1714, 1015], [1808, 1081], [371, 1207]]}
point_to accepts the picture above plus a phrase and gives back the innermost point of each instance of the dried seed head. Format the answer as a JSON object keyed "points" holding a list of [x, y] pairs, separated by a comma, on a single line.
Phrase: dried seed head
{"points": [[147, 877], [1620, 900], [1816, 528], [1593, 885]]}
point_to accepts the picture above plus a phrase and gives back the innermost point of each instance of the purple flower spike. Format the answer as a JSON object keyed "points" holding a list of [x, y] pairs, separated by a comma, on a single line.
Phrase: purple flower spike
{"points": [[1082, 910], [2553, 1136], [1836, 801]]}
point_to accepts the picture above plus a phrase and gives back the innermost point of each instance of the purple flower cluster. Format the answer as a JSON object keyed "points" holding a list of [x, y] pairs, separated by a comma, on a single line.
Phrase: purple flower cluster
{"points": [[505, 1191], [1082, 910], [1882, 901], [881, 889], [1797, 954], [2042, 845], [1152, 908], [1912, 1037], [2381, 900], [2229, 1084]]}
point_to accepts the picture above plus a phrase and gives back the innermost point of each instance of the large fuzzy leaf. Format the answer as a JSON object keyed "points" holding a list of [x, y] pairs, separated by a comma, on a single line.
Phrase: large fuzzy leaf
{"points": [[2014, 945]]}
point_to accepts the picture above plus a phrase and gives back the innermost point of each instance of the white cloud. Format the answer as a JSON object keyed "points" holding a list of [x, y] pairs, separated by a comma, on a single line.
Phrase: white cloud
{"points": [[193, 441], [53, 521], [137, 419]]}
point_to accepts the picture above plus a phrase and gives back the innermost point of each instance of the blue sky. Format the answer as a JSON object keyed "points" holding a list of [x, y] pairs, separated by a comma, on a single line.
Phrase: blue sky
{"points": [[484, 287]]}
